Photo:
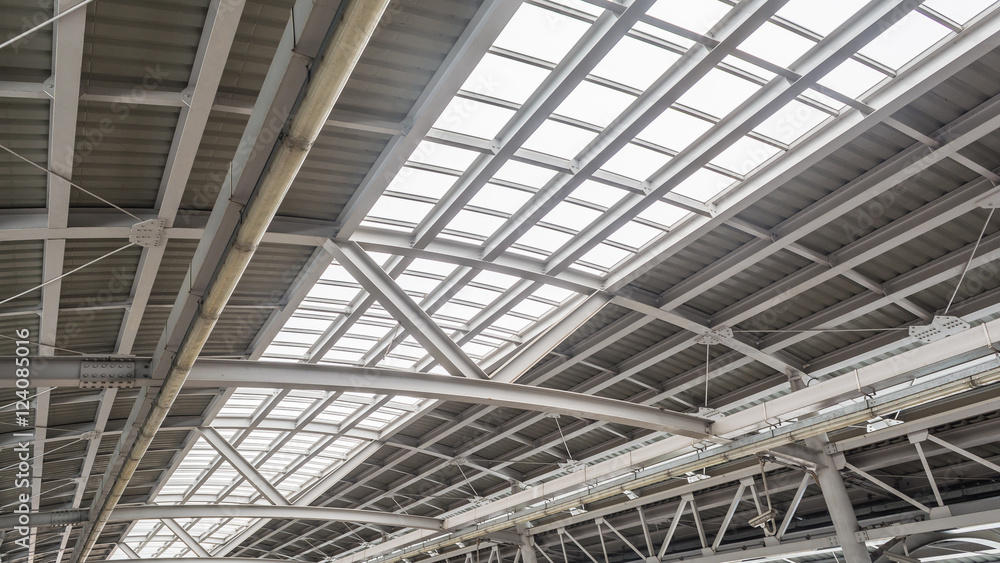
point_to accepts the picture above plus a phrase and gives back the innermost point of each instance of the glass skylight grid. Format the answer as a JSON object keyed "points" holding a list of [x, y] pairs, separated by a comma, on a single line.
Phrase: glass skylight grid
{"points": [[289, 460]]}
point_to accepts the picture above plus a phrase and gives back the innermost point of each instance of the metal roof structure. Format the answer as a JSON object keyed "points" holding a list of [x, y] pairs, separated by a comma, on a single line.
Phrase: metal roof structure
{"points": [[539, 281]]}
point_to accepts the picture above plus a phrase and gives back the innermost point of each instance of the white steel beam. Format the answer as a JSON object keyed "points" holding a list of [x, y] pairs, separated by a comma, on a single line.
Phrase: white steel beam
{"points": [[240, 464], [93, 445], [67, 60], [42, 401], [213, 51], [185, 537], [488, 392], [409, 315], [128, 551]]}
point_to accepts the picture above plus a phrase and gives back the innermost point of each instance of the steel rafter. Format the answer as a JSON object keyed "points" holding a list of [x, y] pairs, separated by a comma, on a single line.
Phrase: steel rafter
{"points": [[217, 38], [67, 61]]}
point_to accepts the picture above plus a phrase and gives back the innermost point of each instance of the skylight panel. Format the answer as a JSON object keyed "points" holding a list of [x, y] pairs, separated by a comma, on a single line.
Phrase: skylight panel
{"points": [[559, 139], [598, 193], [332, 292], [543, 238], [471, 222], [245, 402], [820, 19], [553, 293], [541, 33], [960, 12], [635, 63], [901, 43], [477, 350], [342, 356], [852, 78], [420, 285], [507, 200], [445, 156], [703, 185], [286, 337], [353, 343], [718, 93], [759, 72], [495, 279], [698, 16], [633, 161], [290, 408], [594, 104], [421, 183], [433, 267], [571, 216], [402, 210], [504, 78], [634, 235], [682, 43], [303, 323], [745, 155], [675, 130], [511, 323], [395, 362], [664, 214], [791, 122], [478, 295], [370, 329], [473, 118], [580, 5], [776, 45], [524, 174], [605, 256], [461, 312], [532, 308]]}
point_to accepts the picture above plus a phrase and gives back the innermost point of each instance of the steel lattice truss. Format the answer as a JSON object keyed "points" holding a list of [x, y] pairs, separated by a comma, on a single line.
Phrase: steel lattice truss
{"points": [[558, 280]]}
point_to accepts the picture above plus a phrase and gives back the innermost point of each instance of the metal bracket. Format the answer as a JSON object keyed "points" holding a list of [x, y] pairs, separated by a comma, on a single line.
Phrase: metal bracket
{"points": [[941, 327], [716, 336], [107, 374], [148, 233]]}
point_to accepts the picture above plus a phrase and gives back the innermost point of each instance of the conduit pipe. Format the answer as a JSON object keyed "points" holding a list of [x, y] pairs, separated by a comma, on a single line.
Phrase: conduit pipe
{"points": [[329, 76]]}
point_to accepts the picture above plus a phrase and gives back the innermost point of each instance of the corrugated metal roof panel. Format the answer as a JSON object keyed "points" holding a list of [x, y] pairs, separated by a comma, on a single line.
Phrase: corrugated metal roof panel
{"points": [[257, 37], [103, 283], [121, 153], [127, 42], [22, 271], [337, 163], [30, 59], [211, 166], [24, 127], [95, 334]]}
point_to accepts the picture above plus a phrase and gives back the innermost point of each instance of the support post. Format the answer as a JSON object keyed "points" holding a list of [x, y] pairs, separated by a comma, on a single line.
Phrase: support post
{"points": [[831, 483]]}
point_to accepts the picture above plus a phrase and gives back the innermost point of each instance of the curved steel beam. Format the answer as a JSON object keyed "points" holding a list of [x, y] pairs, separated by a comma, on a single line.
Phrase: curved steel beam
{"points": [[65, 372], [444, 387], [291, 512]]}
